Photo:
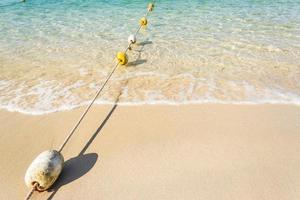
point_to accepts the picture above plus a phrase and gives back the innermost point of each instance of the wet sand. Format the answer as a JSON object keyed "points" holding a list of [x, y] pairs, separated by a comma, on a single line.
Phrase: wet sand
{"points": [[203, 151]]}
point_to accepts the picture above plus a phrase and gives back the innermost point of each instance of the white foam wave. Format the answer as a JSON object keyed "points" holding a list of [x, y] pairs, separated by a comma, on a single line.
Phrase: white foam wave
{"points": [[36, 111], [50, 96], [13, 108]]}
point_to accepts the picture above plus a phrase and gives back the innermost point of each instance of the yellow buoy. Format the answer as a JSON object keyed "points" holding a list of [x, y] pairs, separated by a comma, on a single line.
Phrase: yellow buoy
{"points": [[122, 58], [143, 21], [150, 7]]}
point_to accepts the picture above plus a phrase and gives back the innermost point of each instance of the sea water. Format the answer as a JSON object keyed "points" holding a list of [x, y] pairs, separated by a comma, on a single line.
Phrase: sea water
{"points": [[55, 54]]}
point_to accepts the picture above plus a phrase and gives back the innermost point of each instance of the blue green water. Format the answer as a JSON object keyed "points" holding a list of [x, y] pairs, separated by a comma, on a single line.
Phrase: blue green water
{"points": [[54, 54]]}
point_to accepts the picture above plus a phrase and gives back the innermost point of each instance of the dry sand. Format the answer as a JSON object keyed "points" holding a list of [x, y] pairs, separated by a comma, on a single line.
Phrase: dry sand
{"points": [[220, 152]]}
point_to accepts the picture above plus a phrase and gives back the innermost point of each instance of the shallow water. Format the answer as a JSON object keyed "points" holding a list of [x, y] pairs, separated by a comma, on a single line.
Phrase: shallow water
{"points": [[55, 54]]}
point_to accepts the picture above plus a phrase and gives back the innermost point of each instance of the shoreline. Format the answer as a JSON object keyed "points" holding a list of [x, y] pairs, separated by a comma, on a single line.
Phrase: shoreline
{"points": [[159, 152], [156, 103]]}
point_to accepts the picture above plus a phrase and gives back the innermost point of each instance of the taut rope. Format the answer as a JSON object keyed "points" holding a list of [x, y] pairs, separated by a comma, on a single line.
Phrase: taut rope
{"points": [[28, 196], [35, 185], [99, 91], [87, 109]]}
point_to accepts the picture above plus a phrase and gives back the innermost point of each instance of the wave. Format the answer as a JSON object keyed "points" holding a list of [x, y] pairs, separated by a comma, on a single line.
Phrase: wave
{"points": [[32, 111], [51, 96]]}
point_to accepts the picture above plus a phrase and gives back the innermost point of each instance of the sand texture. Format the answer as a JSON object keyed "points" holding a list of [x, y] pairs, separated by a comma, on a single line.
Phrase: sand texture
{"points": [[211, 152]]}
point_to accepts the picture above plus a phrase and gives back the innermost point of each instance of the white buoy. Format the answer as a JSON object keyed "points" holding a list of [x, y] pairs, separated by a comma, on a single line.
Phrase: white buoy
{"points": [[44, 170], [131, 39]]}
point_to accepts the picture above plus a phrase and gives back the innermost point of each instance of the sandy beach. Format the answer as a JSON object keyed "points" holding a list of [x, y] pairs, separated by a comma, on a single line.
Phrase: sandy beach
{"points": [[189, 99], [201, 151]]}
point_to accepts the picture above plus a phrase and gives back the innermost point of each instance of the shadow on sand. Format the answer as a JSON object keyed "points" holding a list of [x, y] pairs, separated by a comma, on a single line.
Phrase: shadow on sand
{"points": [[78, 166]]}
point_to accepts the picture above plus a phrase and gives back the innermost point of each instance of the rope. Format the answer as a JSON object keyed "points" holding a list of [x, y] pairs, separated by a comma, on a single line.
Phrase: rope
{"points": [[28, 196], [97, 94], [87, 109]]}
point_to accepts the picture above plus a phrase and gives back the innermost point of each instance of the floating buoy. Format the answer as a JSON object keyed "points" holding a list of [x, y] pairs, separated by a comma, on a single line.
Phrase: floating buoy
{"points": [[150, 7], [131, 39], [44, 170], [122, 58], [143, 21]]}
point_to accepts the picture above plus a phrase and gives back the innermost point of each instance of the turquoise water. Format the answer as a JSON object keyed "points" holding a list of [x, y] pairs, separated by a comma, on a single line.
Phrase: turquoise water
{"points": [[55, 54]]}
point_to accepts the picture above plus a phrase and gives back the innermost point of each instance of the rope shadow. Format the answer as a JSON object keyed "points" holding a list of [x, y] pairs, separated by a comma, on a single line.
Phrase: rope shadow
{"points": [[78, 166]]}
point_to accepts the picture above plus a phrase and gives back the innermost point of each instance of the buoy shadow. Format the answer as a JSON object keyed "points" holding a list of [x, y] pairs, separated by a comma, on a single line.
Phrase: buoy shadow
{"points": [[138, 60], [145, 43], [8, 5], [75, 168]]}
